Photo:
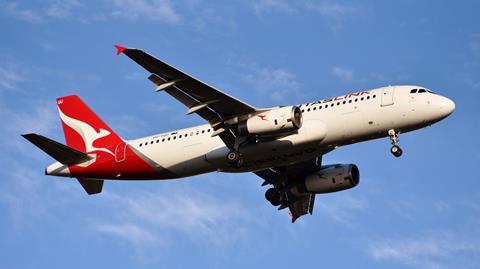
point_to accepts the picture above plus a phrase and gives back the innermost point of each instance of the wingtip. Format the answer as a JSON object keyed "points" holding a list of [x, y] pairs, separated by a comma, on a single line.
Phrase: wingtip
{"points": [[120, 49], [25, 135]]}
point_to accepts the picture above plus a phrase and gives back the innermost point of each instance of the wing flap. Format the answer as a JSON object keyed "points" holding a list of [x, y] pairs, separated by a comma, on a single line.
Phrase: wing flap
{"points": [[302, 206]]}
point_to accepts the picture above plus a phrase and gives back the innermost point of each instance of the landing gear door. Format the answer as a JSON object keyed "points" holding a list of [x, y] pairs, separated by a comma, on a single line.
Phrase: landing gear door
{"points": [[120, 152], [387, 96]]}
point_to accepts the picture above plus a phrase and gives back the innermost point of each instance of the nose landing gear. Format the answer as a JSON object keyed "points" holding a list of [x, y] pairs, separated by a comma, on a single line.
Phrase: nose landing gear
{"points": [[395, 149]]}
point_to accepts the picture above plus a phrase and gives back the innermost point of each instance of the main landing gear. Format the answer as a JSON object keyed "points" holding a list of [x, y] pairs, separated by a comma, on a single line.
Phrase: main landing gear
{"points": [[395, 149], [273, 196], [234, 158]]}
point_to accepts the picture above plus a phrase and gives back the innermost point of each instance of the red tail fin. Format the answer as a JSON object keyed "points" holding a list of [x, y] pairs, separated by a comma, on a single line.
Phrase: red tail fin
{"points": [[83, 129]]}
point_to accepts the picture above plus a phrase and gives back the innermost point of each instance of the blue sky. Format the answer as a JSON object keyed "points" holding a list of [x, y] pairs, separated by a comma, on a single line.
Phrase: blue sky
{"points": [[419, 211]]}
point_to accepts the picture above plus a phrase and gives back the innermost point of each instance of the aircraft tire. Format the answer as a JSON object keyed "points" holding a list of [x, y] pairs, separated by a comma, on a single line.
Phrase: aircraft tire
{"points": [[396, 151]]}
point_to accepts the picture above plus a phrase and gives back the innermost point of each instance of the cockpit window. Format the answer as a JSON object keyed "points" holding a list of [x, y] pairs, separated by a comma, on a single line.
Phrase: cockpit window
{"points": [[413, 91], [421, 90]]}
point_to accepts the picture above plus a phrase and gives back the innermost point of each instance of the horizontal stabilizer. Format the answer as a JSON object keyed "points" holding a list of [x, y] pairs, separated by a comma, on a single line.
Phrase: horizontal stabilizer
{"points": [[91, 186], [60, 152]]}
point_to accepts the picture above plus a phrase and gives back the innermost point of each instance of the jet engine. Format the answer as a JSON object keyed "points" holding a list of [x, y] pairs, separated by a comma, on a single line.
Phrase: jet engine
{"points": [[275, 121], [330, 178]]}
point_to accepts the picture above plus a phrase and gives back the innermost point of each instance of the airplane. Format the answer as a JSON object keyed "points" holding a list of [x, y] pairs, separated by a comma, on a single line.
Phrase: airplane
{"points": [[282, 145]]}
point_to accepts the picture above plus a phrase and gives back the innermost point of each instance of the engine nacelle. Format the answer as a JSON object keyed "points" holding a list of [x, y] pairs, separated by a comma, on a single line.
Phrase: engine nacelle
{"points": [[331, 178], [275, 121]]}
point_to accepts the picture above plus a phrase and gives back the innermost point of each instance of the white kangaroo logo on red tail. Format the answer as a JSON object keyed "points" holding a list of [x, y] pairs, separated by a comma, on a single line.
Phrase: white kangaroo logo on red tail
{"points": [[87, 132]]}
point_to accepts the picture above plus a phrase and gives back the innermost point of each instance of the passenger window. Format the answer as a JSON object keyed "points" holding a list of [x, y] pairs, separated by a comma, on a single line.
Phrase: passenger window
{"points": [[308, 110], [180, 136], [361, 99], [338, 103], [350, 100], [158, 141], [413, 91], [163, 139], [344, 102], [303, 110], [168, 139], [140, 144], [151, 142], [315, 108], [374, 95], [320, 107], [368, 97], [356, 99]]}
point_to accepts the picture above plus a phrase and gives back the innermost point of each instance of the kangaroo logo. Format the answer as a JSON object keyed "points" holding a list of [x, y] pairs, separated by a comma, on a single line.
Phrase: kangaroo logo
{"points": [[87, 132], [262, 117]]}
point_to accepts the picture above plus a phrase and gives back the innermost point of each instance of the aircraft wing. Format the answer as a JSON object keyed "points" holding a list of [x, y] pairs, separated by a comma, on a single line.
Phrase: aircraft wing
{"points": [[200, 98], [281, 177]]}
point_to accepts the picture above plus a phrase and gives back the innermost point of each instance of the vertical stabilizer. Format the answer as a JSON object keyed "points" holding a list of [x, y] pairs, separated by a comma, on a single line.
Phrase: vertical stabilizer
{"points": [[83, 129]]}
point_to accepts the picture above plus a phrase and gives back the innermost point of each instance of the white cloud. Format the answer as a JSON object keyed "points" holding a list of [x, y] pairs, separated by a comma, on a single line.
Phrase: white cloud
{"points": [[149, 10], [40, 117], [340, 208], [279, 84], [25, 193], [132, 233], [330, 9], [430, 252], [334, 12], [342, 73], [153, 10], [9, 77], [61, 8], [267, 6], [148, 218], [21, 13]]}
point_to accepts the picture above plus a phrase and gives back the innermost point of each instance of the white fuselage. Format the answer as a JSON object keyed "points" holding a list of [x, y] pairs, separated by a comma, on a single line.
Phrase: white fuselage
{"points": [[327, 124]]}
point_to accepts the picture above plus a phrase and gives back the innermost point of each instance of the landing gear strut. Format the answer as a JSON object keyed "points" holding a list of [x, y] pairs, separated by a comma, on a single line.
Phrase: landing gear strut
{"points": [[234, 158], [395, 149]]}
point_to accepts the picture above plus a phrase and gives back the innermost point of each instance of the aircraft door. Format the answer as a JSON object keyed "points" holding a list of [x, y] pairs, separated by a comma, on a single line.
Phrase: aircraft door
{"points": [[120, 152], [387, 96]]}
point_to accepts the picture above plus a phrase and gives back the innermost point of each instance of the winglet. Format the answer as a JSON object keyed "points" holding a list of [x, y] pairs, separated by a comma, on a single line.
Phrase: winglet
{"points": [[120, 49]]}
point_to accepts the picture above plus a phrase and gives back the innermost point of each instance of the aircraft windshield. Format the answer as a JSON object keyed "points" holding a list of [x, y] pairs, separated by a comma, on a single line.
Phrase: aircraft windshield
{"points": [[421, 91]]}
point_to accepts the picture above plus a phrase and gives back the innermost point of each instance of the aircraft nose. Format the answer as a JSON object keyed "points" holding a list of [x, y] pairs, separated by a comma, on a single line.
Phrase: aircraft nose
{"points": [[447, 106]]}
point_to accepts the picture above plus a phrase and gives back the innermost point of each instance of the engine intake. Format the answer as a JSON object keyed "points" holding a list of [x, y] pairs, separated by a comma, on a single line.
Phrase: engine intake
{"points": [[275, 121]]}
